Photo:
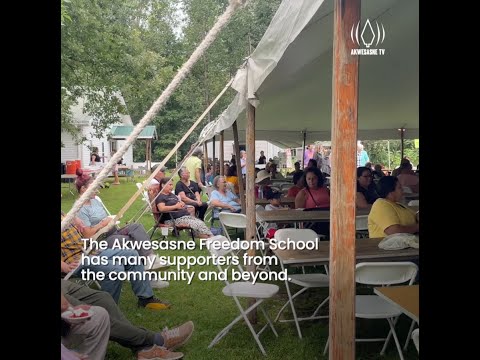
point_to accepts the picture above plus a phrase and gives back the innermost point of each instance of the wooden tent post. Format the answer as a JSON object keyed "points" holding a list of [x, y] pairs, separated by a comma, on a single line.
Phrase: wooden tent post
{"points": [[222, 154], [236, 145], [343, 183]]}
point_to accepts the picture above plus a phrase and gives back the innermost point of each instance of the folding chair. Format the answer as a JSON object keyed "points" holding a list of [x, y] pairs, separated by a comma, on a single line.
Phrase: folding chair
{"points": [[373, 306], [237, 221], [416, 339], [236, 290], [305, 281], [361, 226]]}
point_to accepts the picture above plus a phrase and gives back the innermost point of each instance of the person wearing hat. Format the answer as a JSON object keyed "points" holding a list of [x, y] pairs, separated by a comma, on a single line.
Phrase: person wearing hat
{"points": [[262, 182]]}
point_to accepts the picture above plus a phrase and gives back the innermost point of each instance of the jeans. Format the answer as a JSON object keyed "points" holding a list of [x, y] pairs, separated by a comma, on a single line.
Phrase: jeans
{"points": [[141, 288], [134, 232]]}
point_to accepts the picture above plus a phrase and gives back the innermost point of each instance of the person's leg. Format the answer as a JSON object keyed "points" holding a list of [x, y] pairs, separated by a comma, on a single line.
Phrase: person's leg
{"points": [[91, 336], [112, 286], [117, 180], [198, 226], [202, 210], [121, 330], [137, 233]]}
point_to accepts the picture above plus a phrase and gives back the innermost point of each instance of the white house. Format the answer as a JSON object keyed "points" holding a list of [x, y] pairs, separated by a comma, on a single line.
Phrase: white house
{"points": [[73, 151]]}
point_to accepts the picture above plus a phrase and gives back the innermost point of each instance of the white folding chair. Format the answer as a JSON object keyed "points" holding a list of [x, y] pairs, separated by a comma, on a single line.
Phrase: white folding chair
{"points": [[305, 281], [239, 289], [416, 339], [238, 221], [361, 226], [373, 306]]}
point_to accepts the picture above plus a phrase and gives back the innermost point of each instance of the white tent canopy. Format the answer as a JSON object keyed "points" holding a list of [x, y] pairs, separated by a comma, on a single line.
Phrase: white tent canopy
{"points": [[290, 72]]}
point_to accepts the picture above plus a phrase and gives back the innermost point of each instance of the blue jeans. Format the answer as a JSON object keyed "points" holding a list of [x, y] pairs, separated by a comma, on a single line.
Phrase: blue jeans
{"points": [[141, 288]]}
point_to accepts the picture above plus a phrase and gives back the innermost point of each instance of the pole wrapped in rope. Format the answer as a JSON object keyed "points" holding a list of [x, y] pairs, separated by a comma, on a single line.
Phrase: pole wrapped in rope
{"points": [[155, 108]]}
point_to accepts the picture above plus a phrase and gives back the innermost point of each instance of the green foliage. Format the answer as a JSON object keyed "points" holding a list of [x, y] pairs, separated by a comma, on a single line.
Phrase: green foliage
{"points": [[135, 47], [378, 152]]}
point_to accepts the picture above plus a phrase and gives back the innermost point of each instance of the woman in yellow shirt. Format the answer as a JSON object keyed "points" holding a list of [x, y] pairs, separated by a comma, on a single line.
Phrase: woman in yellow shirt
{"points": [[388, 216]]}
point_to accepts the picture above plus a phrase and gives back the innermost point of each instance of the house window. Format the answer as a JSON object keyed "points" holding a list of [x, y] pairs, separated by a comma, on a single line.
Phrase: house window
{"points": [[113, 145]]}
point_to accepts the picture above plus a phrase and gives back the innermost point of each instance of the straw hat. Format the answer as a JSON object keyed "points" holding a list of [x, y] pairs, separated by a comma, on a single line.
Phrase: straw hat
{"points": [[262, 175]]}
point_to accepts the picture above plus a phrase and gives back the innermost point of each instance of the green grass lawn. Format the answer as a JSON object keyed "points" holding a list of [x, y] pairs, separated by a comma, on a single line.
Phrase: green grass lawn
{"points": [[204, 304]]}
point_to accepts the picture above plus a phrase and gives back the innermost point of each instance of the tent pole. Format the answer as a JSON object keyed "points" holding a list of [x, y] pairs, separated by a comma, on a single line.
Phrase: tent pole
{"points": [[343, 183], [250, 197], [222, 154], [214, 168], [236, 145], [205, 160], [402, 145], [304, 145]]}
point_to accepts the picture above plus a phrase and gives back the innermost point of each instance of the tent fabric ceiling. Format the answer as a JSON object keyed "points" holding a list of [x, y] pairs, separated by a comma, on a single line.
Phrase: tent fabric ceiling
{"points": [[290, 72]]}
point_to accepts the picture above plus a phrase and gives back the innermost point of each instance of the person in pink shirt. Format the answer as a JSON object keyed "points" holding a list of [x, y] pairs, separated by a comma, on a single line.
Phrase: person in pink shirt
{"points": [[314, 195]]}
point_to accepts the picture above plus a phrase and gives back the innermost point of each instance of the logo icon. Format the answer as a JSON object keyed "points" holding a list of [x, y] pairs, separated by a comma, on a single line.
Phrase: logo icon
{"points": [[369, 35]]}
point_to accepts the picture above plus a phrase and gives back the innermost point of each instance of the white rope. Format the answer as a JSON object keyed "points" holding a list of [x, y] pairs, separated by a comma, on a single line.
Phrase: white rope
{"points": [[156, 107]]}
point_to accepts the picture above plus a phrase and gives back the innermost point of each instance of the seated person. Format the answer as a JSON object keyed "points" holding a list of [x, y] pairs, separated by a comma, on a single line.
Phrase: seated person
{"points": [[189, 192], [297, 184], [378, 172], [274, 173], [366, 189], [262, 181], [408, 178], [387, 215], [71, 255], [154, 186], [297, 169], [90, 337], [95, 218], [314, 194], [312, 163], [169, 203], [223, 199], [232, 178], [274, 203], [146, 343]]}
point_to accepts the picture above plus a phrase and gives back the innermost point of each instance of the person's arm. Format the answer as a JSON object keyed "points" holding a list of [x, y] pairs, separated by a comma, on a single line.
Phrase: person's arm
{"points": [[167, 208], [397, 228], [66, 268], [89, 231], [215, 201], [361, 202], [300, 199], [64, 304]]}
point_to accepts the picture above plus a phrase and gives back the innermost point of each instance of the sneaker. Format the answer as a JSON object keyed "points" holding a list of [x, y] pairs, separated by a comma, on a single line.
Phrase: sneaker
{"points": [[158, 353], [159, 284], [153, 303], [157, 264], [176, 337]]}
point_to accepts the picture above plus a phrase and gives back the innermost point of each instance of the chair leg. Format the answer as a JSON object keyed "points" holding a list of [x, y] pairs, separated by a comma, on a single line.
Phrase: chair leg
{"points": [[409, 335], [320, 306], [392, 330], [387, 340], [290, 300], [326, 346], [268, 320]]}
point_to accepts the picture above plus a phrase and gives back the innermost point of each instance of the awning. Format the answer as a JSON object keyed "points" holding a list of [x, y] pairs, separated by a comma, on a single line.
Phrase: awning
{"points": [[121, 132]]}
